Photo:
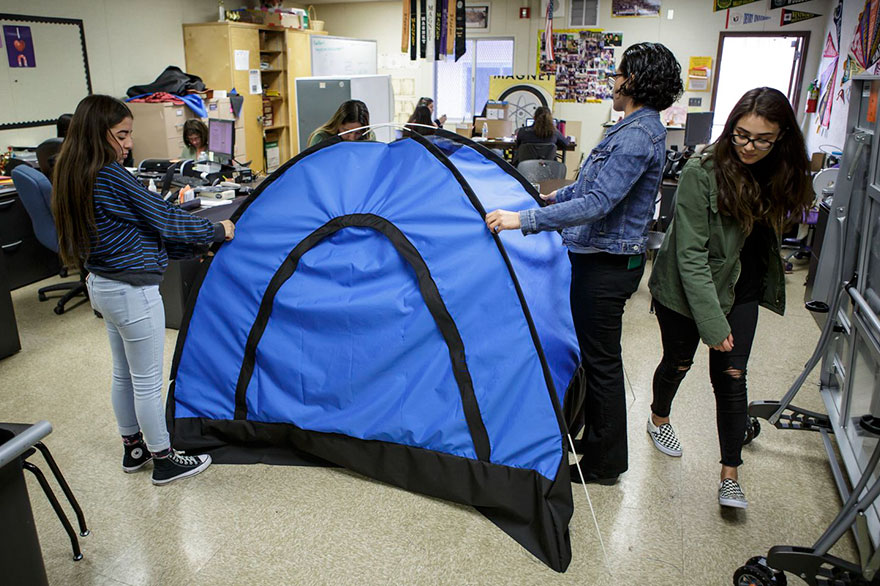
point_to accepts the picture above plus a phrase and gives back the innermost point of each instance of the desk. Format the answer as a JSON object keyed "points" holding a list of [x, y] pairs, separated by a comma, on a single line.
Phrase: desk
{"points": [[508, 144], [9, 341], [27, 261], [180, 276]]}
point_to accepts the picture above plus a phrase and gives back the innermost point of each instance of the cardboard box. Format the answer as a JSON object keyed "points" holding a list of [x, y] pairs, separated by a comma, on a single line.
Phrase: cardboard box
{"points": [[497, 128], [817, 162], [464, 130], [498, 111]]}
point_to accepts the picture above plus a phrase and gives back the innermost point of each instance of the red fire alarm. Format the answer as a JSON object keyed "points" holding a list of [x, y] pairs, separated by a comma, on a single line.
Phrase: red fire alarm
{"points": [[524, 12]]}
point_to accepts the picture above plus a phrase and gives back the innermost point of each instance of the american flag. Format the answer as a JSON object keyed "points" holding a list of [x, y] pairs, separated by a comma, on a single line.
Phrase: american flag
{"points": [[548, 32]]}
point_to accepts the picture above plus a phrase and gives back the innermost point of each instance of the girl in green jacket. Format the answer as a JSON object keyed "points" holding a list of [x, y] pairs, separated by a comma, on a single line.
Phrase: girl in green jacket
{"points": [[720, 260]]}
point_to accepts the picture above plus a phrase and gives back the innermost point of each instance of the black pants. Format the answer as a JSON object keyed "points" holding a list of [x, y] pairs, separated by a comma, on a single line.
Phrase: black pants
{"points": [[727, 371], [600, 285]]}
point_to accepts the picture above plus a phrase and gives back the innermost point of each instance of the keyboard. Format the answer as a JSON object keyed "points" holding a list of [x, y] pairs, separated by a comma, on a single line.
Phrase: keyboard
{"points": [[178, 180]]}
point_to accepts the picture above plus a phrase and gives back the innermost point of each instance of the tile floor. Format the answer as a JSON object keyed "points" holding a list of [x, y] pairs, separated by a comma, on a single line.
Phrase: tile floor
{"points": [[260, 524]]}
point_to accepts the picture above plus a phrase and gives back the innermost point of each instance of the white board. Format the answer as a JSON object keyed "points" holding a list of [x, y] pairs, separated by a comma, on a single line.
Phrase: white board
{"points": [[341, 56], [57, 80]]}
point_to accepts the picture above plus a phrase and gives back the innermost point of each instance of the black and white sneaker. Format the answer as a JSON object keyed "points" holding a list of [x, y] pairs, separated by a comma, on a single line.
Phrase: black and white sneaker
{"points": [[135, 457], [176, 465], [730, 494], [664, 438]]}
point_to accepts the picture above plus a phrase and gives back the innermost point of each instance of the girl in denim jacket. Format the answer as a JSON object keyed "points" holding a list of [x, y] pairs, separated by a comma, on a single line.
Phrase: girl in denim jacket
{"points": [[604, 218]]}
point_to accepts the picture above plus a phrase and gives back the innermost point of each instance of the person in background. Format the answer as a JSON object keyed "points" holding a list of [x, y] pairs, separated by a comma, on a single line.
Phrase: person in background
{"points": [[124, 235], [195, 140], [605, 217], [420, 118], [543, 131], [429, 103], [720, 261], [62, 124], [350, 115]]}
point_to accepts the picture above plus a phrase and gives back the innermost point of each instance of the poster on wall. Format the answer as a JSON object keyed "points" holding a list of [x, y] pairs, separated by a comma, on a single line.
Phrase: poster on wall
{"points": [[582, 64], [19, 46], [864, 51], [623, 8], [523, 94], [719, 5], [613, 39], [740, 17]]}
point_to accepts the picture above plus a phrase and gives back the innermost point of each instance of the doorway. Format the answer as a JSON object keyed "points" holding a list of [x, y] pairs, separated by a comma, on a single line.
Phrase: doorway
{"points": [[750, 60]]}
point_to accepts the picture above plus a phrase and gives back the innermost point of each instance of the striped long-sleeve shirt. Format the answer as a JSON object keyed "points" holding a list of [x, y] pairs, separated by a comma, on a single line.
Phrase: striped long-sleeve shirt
{"points": [[136, 231]]}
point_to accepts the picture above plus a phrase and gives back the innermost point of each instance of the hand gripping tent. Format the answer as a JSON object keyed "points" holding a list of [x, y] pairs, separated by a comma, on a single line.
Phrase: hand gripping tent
{"points": [[365, 316]]}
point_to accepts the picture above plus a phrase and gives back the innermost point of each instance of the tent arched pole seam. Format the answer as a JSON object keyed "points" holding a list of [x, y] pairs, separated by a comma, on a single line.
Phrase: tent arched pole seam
{"points": [[431, 295], [551, 388]]}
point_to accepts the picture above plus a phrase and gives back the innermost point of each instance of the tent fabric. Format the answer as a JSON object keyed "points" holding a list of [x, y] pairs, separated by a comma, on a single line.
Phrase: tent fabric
{"points": [[365, 316]]}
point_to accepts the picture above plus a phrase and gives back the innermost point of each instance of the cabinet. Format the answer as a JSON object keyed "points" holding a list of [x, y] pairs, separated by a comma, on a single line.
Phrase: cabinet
{"points": [[157, 130], [26, 260], [279, 54]]}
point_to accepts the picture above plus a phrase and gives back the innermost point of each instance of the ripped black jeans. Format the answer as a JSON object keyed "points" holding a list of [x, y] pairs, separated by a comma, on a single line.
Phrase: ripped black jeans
{"points": [[727, 371]]}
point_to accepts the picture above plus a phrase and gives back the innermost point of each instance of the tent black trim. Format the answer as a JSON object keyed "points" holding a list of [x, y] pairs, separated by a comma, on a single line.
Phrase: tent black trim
{"points": [[430, 294], [541, 530]]}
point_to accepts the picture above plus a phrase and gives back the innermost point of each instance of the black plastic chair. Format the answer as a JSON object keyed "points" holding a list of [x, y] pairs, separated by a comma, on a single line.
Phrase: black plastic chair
{"points": [[537, 170], [19, 429], [35, 193], [46, 153], [532, 151]]}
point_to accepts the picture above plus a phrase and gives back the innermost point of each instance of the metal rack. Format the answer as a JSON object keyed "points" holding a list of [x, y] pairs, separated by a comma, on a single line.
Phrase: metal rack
{"points": [[847, 291]]}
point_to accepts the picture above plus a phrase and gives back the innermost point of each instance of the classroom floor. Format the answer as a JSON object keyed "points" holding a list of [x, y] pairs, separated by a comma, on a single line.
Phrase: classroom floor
{"points": [[259, 524]]}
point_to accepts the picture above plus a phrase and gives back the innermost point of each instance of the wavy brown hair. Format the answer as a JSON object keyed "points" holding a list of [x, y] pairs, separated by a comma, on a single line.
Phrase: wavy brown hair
{"points": [[789, 192], [348, 111], [84, 152], [544, 127]]}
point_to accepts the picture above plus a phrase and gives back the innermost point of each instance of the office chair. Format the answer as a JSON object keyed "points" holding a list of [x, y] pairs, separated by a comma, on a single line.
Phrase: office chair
{"points": [[13, 163], [537, 170], [11, 431], [532, 151], [46, 153], [35, 192]]}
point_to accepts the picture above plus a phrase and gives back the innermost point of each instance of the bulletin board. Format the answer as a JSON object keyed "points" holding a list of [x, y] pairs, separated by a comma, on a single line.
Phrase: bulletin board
{"points": [[44, 69], [341, 56], [583, 62]]}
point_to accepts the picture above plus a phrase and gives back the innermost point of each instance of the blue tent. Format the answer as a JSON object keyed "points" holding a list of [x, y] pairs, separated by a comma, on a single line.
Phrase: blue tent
{"points": [[364, 316]]}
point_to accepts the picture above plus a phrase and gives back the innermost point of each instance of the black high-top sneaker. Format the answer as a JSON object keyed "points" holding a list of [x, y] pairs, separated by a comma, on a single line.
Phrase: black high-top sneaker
{"points": [[135, 456], [176, 465]]}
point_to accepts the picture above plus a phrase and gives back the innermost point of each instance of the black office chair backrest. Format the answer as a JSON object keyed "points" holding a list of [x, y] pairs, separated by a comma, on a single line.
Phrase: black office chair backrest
{"points": [[13, 163], [35, 193], [46, 153], [537, 170], [531, 151]]}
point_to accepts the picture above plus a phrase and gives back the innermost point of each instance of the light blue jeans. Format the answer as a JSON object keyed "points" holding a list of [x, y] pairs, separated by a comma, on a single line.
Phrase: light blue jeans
{"points": [[135, 320]]}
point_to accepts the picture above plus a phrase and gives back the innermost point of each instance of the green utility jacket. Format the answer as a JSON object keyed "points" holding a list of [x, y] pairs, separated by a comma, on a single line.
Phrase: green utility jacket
{"points": [[698, 264]]}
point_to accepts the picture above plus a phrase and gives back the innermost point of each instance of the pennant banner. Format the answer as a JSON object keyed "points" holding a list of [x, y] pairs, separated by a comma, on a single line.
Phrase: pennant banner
{"points": [[423, 29], [440, 38], [450, 28], [404, 38], [830, 49], [738, 17], [413, 29], [459, 30], [719, 5], [794, 16], [774, 4]]}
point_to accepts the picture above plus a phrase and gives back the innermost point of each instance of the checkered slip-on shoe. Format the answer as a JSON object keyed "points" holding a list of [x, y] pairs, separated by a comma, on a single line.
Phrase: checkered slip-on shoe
{"points": [[730, 494], [664, 438]]}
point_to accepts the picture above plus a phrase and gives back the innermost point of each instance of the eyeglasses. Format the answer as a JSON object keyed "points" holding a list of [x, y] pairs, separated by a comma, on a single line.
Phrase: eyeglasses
{"points": [[612, 77], [761, 144]]}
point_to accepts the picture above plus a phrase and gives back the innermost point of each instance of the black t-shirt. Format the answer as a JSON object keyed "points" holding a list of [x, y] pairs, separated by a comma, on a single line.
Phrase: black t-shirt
{"points": [[753, 256]]}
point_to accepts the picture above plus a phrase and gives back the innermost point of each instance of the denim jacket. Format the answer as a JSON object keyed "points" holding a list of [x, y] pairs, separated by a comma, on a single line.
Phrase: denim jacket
{"points": [[612, 203]]}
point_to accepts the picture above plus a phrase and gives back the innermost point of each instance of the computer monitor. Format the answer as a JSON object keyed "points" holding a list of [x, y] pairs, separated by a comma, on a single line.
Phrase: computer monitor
{"points": [[221, 139], [531, 121], [698, 128]]}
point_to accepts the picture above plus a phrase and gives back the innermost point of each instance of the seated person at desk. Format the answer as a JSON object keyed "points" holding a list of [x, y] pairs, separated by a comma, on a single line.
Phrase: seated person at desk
{"points": [[350, 115], [543, 131], [195, 140], [429, 103], [417, 123]]}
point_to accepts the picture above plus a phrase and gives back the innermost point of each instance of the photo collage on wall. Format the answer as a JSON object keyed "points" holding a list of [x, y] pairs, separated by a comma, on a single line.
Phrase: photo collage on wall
{"points": [[583, 62]]}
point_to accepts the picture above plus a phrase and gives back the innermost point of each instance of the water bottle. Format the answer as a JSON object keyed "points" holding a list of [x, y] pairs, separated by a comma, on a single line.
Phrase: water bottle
{"points": [[485, 132], [152, 186]]}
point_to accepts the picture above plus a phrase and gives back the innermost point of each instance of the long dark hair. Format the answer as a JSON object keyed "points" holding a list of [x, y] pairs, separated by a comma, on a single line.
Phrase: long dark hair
{"points": [[653, 75], [348, 111], [544, 127], [84, 152], [789, 192], [195, 126], [421, 115]]}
